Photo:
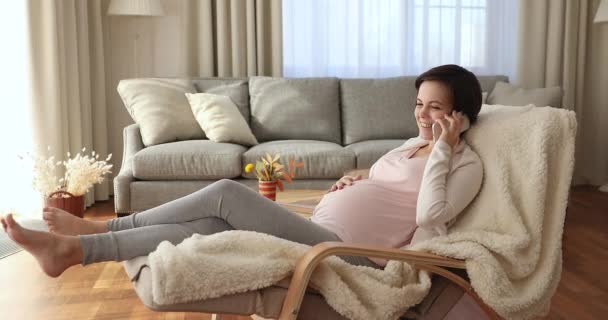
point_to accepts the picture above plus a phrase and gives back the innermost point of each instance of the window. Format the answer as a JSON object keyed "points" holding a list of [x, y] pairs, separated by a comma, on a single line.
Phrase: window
{"points": [[16, 192], [369, 38]]}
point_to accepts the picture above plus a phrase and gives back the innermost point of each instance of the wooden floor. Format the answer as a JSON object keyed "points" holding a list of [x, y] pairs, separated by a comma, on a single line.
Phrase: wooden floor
{"points": [[102, 291]]}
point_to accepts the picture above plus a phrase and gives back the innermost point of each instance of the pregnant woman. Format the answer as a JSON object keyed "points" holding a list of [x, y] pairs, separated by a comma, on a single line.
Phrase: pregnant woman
{"points": [[423, 184]]}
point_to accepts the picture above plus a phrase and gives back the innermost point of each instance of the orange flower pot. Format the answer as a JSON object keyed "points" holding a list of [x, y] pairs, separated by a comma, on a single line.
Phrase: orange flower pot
{"points": [[268, 189], [72, 204]]}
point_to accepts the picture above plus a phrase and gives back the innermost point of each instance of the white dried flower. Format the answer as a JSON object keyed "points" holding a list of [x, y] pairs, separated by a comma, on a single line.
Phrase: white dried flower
{"points": [[81, 173]]}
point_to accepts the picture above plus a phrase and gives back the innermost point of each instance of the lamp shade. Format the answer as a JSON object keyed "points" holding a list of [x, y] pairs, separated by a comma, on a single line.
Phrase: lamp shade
{"points": [[136, 8], [602, 12]]}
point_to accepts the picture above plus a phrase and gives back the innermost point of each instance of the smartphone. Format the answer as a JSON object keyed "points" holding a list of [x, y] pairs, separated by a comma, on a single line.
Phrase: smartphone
{"points": [[436, 128]]}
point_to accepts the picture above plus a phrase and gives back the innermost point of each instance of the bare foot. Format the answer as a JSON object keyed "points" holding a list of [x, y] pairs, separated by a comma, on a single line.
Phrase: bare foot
{"points": [[3, 222], [63, 222], [55, 253]]}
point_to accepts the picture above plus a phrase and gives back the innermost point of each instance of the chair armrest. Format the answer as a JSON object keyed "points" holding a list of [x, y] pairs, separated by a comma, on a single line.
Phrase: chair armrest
{"points": [[422, 260]]}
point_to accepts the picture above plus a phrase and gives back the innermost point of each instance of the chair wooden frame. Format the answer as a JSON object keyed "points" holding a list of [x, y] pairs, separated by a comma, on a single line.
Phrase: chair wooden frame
{"points": [[425, 261]]}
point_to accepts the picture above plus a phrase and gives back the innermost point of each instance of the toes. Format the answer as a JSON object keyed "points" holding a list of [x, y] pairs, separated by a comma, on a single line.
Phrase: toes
{"points": [[57, 210], [54, 212], [49, 210], [48, 215], [11, 223]]}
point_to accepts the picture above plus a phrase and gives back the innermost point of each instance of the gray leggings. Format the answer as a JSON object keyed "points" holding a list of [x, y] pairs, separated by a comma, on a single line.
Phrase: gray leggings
{"points": [[223, 205]]}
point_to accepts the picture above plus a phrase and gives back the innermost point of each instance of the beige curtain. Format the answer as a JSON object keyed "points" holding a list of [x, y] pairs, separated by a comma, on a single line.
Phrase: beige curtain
{"points": [[233, 38], [560, 46], [68, 79]]}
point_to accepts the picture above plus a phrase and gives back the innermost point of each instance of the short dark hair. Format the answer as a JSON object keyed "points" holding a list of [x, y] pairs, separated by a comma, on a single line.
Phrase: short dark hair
{"points": [[463, 84]]}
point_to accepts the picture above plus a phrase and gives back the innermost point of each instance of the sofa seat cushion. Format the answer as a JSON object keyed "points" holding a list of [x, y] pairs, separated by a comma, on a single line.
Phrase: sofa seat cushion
{"points": [[188, 160], [322, 160], [368, 152]]}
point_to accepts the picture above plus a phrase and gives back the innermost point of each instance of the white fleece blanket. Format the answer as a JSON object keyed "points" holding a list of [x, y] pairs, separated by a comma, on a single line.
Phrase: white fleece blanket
{"points": [[510, 235]]}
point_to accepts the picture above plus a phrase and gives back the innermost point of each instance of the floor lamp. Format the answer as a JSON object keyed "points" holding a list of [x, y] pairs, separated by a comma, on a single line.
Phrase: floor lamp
{"points": [[136, 8], [602, 16]]}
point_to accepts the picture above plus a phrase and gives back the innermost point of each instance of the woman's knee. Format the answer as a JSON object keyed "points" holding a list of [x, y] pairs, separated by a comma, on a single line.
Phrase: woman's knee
{"points": [[215, 190], [225, 186], [222, 190]]}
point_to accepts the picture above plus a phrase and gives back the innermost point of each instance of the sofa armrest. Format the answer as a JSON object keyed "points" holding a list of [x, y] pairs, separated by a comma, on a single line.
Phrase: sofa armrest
{"points": [[132, 143]]}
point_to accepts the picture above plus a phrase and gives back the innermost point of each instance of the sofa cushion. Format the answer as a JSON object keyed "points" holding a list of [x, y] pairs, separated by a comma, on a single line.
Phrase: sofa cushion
{"points": [[235, 89], [220, 119], [368, 152], [322, 160], [161, 109], [188, 160], [510, 95], [306, 109], [489, 82], [378, 109], [384, 108]]}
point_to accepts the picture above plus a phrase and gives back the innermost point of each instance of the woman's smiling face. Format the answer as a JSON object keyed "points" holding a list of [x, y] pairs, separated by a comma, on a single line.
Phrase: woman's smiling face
{"points": [[434, 101]]}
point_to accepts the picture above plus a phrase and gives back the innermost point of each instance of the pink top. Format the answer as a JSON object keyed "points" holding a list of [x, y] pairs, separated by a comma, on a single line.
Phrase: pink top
{"points": [[380, 210], [404, 197]]}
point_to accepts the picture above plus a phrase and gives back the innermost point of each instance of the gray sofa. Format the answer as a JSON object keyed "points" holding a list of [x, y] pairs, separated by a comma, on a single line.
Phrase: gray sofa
{"points": [[332, 125]]}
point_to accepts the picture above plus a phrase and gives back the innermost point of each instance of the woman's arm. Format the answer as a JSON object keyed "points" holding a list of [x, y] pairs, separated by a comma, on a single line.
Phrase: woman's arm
{"points": [[443, 195]]}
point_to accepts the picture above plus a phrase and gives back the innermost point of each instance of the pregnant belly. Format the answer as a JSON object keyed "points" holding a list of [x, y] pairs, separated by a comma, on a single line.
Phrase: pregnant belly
{"points": [[369, 212]]}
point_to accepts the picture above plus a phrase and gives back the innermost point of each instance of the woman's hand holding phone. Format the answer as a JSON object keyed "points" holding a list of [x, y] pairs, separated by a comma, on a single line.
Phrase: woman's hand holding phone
{"points": [[450, 127]]}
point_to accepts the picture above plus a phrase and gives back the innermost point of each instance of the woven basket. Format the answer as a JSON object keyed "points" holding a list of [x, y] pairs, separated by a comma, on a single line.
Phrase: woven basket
{"points": [[72, 204]]}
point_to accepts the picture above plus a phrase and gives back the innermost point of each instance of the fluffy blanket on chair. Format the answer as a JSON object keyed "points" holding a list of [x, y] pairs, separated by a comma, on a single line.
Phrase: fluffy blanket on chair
{"points": [[510, 235]]}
